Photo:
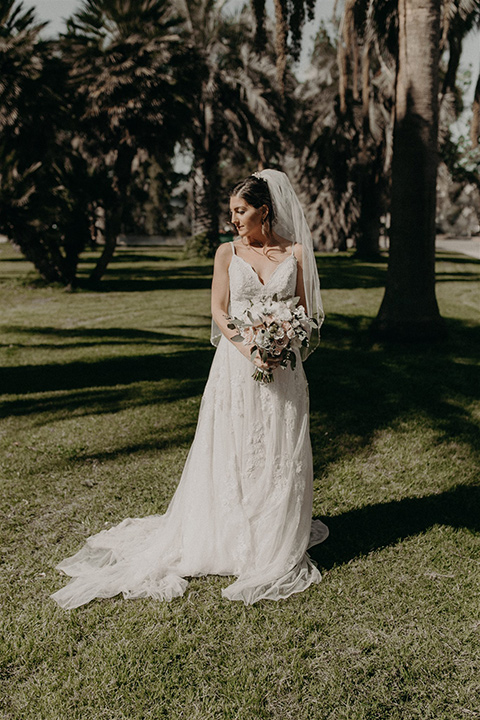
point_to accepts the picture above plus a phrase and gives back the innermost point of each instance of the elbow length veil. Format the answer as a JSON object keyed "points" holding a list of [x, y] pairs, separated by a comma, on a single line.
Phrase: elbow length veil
{"points": [[290, 223]]}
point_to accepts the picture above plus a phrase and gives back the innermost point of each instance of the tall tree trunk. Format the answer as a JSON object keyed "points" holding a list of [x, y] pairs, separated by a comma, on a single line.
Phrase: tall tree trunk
{"points": [[368, 180], [281, 32], [409, 309], [206, 207], [475, 126], [113, 224], [114, 214], [367, 243]]}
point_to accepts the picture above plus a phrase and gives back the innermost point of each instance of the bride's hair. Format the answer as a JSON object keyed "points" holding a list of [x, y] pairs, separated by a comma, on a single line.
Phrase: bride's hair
{"points": [[255, 191]]}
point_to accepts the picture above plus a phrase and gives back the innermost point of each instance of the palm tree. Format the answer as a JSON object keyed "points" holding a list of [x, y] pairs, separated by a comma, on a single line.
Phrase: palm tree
{"points": [[235, 110], [344, 151], [125, 60], [289, 20], [411, 35], [409, 309], [37, 163], [19, 34]]}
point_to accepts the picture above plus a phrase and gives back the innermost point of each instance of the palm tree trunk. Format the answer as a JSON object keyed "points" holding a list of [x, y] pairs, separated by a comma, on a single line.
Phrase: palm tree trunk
{"points": [[281, 31], [475, 126], [368, 180], [206, 208], [409, 309]]}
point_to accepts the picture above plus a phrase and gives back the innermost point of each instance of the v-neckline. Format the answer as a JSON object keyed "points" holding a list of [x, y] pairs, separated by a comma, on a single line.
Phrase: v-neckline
{"points": [[262, 283]]}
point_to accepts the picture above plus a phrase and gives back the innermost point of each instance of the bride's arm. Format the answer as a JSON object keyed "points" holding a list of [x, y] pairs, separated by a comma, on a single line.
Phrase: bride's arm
{"points": [[221, 296]]}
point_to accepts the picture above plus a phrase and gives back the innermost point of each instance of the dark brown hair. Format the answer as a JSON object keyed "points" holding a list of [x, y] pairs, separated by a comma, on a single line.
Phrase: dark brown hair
{"points": [[255, 191]]}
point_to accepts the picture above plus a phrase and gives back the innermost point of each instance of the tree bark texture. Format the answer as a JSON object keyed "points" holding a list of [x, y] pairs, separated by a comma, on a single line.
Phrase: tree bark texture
{"points": [[369, 188], [281, 31], [114, 213], [206, 204], [475, 126], [113, 224], [409, 310]]}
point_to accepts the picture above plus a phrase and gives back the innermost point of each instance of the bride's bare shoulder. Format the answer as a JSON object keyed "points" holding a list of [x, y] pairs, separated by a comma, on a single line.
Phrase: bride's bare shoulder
{"points": [[223, 254]]}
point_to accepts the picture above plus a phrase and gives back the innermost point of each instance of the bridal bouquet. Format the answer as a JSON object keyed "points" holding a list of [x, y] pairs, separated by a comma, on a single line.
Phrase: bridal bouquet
{"points": [[275, 328]]}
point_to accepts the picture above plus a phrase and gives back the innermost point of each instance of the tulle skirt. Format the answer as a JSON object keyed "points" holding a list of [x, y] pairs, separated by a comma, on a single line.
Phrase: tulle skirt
{"points": [[243, 506]]}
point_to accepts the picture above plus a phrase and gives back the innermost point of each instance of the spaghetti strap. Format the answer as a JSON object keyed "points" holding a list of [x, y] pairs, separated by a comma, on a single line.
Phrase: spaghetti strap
{"points": [[233, 247], [293, 247]]}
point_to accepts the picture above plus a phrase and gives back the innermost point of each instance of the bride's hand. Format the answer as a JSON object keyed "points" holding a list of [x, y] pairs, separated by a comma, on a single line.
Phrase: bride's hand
{"points": [[268, 364]]}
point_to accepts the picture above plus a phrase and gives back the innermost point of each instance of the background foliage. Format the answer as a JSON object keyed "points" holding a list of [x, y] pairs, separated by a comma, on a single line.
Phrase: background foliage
{"points": [[93, 123]]}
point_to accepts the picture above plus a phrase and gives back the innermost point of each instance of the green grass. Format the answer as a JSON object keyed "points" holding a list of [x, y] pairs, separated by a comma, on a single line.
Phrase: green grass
{"points": [[100, 397]]}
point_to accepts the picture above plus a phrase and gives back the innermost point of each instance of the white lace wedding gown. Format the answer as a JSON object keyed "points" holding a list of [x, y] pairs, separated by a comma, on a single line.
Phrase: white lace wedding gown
{"points": [[243, 506]]}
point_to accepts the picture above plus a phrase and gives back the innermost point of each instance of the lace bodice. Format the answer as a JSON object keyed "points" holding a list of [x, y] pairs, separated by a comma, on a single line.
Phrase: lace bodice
{"points": [[245, 285]]}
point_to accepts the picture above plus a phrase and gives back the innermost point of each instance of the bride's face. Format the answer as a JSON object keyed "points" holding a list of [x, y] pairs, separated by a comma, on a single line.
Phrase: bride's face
{"points": [[246, 218]]}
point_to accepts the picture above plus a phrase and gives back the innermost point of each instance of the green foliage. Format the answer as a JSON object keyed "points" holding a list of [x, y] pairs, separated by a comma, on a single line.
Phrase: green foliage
{"points": [[98, 413], [125, 60], [199, 246], [44, 183], [295, 12], [123, 56], [76, 115], [327, 145], [235, 111]]}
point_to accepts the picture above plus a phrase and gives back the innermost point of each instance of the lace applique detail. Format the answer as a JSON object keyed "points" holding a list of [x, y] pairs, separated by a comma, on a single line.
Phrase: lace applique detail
{"points": [[245, 285]]}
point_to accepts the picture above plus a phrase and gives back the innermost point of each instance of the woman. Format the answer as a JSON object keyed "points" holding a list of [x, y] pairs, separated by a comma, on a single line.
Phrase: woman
{"points": [[244, 502]]}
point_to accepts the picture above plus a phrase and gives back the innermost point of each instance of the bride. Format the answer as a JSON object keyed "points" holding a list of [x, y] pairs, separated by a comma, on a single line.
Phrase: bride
{"points": [[243, 506]]}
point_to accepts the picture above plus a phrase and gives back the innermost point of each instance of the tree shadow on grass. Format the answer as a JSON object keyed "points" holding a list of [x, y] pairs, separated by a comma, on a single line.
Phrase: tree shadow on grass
{"points": [[348, 273], [358, 532], [99, 401], [147, 279], [457, 277], [95, 336], [357, 388], [169, 377], [344, 272], [182, 434], [451, 256]]}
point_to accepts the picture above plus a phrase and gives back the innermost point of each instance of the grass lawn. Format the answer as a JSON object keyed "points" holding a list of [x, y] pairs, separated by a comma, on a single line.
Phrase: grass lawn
{"points": [[100, 397]]}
